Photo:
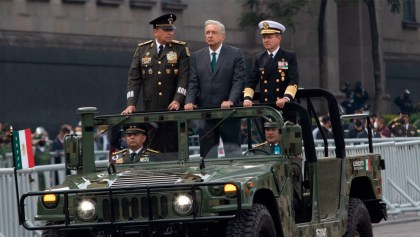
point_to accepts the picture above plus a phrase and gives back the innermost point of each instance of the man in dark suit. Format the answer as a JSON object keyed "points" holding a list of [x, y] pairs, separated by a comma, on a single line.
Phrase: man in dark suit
{"points": [[160, 67], [217, 75], [275, 69]]}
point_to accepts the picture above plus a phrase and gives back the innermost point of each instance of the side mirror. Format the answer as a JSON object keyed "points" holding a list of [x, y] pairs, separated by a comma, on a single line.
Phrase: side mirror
{"points": [[72, 152], [291, 139]]}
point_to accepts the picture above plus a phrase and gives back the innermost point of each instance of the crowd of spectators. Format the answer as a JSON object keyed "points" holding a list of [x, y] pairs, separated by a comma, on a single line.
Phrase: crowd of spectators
{"points": [[356, 101], [47, 150]]}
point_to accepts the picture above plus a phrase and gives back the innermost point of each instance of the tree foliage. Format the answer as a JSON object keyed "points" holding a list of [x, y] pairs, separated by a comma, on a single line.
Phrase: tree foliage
{"points": [[258, 10]]}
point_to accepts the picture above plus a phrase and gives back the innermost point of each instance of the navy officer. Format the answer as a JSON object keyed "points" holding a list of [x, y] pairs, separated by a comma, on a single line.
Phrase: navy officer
{"points": [[275, 69]]}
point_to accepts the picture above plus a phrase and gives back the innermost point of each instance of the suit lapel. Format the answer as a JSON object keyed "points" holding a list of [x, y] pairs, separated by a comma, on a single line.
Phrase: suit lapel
{"points": [[223, 54], [206, 61]]}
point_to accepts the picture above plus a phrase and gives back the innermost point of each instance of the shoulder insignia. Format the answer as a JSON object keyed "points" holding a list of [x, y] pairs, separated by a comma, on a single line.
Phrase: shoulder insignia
{"points": [[117, 156], [261, 144], [187, 50], [152, 151], [179, 42], [120, 151], [144, 43]]}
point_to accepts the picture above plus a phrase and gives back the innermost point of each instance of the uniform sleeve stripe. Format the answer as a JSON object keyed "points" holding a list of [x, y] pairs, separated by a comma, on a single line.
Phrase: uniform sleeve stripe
{"points": [[182, 90], [291, 90], [130, 94]]}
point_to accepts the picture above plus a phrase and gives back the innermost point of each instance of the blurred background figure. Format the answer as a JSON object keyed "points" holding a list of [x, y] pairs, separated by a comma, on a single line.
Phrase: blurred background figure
{"points": [[326, 128], [405, 103], [401, 127], [380, 128], [57, 145], [42, 156], [356, 98], [5, 146]]}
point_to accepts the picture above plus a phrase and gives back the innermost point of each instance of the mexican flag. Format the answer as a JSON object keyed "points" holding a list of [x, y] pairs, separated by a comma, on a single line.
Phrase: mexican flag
{"points": [[22, 147], [368, 165]]}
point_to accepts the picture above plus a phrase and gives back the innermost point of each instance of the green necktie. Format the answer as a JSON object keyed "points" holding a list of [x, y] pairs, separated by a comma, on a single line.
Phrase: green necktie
{"points": [[133, 156], [213, 61]]}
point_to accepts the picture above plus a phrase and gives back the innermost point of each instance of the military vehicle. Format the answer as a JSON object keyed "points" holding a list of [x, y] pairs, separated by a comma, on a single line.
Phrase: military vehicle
{"points": [[183, 194]]}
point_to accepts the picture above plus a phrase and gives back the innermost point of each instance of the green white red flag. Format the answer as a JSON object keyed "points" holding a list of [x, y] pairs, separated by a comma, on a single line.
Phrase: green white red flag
{"points": [[368, 165], [22, 147]]}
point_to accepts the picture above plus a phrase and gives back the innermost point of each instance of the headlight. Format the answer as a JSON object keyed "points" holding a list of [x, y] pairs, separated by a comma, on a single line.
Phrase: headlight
{"points": [[216, 190], [230, 190], [183, 204], [50, 200], [86, 210]]}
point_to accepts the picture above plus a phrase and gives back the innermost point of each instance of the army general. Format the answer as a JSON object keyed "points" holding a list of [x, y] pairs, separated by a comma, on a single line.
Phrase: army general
{"points": [[161, 68], [275, 69]]}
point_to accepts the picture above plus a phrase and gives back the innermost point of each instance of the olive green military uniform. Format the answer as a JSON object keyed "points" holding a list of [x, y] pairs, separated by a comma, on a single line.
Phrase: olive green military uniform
{"points": [[145, 155], [163, 78], [42, 157], [398, 129], [268, 148]]}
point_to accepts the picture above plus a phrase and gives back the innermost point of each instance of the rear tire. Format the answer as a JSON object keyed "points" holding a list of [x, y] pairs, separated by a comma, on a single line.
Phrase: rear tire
{"points": [[358, 224], [256, 222]]}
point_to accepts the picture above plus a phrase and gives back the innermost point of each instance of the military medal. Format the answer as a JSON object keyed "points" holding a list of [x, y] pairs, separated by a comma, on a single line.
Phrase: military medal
{"points": [[144, 159], [168, 71], [283, 64], [172, 57], [147, 59], [143, 71], [150, 71], [176, 71]]}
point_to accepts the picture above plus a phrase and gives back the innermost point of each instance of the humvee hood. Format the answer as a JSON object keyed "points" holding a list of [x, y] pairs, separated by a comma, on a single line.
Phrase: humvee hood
{"points": [[142, 177]]}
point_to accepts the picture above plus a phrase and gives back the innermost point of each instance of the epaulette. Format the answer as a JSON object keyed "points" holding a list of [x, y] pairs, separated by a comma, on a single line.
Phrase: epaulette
{"points": [[153, 151], [120, 151], [179, 42], [144, 43], [261, 144], [119, 155]]}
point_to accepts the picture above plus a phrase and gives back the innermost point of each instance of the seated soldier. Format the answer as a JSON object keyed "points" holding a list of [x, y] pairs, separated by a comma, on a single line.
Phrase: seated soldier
{"points": [[272, 146], [272, 136], [135, 136]]}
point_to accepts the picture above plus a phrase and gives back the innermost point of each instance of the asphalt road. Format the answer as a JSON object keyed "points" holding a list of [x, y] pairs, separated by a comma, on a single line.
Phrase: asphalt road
{"points": [[407, 225]]}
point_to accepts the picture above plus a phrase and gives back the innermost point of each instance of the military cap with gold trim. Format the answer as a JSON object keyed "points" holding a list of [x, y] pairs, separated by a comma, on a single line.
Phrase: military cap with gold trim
{"points": [[133, 129], [165, 22], [270, 125], [271, 27]]}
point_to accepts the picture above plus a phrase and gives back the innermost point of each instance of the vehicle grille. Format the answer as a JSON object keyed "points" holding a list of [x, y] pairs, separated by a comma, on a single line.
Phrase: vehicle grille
{"points": [[135, 208]]}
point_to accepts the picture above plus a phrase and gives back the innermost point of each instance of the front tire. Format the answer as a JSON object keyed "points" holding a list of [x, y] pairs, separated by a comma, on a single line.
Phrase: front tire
{"points": [[359, 224], [256, 222]]}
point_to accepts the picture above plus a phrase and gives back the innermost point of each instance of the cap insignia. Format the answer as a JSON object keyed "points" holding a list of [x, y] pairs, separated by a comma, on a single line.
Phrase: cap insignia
{"points": [[265, 25]]}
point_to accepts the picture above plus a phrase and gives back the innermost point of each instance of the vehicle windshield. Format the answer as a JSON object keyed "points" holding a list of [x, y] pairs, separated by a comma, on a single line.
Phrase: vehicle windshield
{"points": [[194, 135]]}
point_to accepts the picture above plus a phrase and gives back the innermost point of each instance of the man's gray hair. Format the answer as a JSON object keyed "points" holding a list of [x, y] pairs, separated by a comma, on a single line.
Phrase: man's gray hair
{"points": [[213, 22]]}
